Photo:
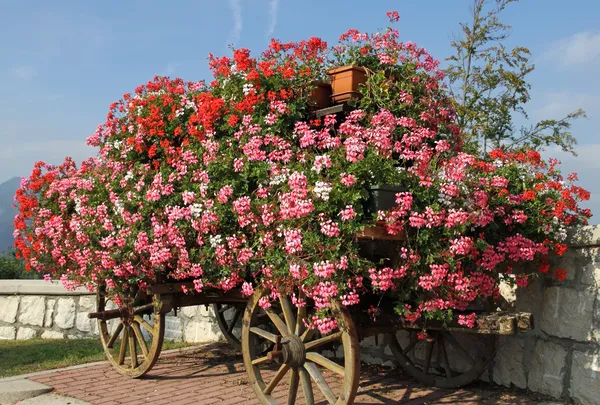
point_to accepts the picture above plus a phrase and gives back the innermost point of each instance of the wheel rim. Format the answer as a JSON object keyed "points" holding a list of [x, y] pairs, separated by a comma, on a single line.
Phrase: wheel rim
{"points": [[442, 360], [295, 368], [132, 343], [229, 318]]}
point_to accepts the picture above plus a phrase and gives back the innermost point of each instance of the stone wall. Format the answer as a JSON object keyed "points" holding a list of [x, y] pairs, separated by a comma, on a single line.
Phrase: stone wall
{"points": [[38, 309], [560, 357]]}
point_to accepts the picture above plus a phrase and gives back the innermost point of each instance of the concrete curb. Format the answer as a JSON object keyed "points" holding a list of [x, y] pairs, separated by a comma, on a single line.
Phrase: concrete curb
{"points": [[20, 389], [96, 363]]}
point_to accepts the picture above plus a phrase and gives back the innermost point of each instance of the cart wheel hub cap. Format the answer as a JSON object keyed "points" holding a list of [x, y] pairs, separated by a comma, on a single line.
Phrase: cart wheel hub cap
{"points": [[294, 353]]}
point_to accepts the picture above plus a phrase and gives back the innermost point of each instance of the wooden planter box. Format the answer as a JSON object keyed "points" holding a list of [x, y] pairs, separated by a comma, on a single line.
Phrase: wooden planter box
{"points": [[345, 81]]}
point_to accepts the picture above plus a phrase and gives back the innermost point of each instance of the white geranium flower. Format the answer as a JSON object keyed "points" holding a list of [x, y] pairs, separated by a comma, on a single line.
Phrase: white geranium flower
{"points": [[322, 190], [215, 240]]}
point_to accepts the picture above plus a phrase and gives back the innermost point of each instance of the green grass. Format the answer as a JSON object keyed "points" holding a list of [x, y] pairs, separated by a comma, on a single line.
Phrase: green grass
{"points": [[29, 356]]}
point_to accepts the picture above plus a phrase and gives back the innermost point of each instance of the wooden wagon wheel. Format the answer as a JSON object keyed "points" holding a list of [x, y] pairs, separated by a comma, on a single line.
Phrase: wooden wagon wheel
{"points": [[229, 318], [296, 353], [132, 342], [442, 360]]}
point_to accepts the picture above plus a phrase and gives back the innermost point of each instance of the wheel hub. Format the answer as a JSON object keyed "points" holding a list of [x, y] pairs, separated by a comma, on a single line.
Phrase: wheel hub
{"points": [[288, 350], [294, 353]]}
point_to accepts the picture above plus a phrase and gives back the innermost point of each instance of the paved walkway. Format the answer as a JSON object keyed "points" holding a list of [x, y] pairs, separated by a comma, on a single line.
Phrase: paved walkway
{"points": [[215, 375]]}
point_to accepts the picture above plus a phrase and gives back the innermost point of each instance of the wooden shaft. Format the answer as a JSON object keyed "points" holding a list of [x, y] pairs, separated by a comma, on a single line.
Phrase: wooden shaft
{"points": [[118, 313]]}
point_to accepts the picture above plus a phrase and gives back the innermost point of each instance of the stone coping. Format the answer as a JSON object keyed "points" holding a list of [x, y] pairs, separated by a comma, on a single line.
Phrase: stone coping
{"points": [[37, 287]]}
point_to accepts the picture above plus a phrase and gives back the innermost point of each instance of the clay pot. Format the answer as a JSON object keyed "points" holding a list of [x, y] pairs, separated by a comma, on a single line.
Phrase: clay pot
{"points": [[320, 96], [345, 81]]}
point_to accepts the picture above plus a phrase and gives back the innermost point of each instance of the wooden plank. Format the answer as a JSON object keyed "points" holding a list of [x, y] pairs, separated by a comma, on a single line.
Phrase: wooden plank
{"points": [[500, 323], [339, 108], [525, 321]]}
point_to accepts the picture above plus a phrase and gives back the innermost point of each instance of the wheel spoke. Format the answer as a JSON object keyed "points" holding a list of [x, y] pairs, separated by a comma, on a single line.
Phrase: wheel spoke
{"points": [[324, 340], [260, 360], [263, 333], [428, 353], [113, 338], [299, 319], [278, 377], [279, 324], [132, 349], [288, 313], [123, 348], [293, 390], [317, 377], [325, 362], [454, 343], [411, 345], [444, 355], [234, 320], [145, 324], [140, 338], [397, 350], [307, 334], [307, 387]]}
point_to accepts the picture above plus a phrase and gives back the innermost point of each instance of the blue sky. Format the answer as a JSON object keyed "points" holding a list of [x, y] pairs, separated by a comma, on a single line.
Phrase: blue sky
{"points": [[64, 62]]}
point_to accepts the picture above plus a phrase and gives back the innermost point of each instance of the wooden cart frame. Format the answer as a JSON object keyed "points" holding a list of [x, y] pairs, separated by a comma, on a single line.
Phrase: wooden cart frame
{"points": [[280, 353]]}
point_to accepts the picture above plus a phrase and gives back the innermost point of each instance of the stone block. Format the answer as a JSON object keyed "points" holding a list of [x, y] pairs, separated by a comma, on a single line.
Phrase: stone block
{"points": [[24, 333], [48, 317], [65, 313], [585, 377], [206, 311], [8, 332], [8, 308], [190, 312], [51, 334], [201, 332], [508, 292], [570, 261], [173, 328], [87, 304], [32, 310], [568, 313], [528, 299], [590, 267], [547, 369], [83, 323], [509, 367]]}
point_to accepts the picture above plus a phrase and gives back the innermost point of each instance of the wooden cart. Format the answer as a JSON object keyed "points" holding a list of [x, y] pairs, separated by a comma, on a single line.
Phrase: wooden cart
{"points": [[285, 360]]}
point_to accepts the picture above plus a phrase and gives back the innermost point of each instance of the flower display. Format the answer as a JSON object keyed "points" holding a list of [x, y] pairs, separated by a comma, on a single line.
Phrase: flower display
{"points": [[235, 184]]}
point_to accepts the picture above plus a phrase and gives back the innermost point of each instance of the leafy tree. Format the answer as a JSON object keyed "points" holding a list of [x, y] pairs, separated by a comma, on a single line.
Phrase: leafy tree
{"points": [[11, 267], [489, 85]]}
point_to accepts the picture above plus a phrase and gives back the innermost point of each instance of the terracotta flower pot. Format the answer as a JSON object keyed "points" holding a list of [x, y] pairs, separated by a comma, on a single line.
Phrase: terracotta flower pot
{"points": [[345, 81], [320, 96]]}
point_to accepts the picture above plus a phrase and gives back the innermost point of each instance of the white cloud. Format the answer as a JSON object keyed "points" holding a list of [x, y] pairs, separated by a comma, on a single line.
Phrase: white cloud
{"points": [[580, 50], [555, 105], [273, 8], [236, 11], [24, 72], [17, 159]]}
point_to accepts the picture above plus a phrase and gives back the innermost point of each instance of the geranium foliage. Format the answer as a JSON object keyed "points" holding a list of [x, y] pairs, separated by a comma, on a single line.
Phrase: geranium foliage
{"points": [[234, 184]]}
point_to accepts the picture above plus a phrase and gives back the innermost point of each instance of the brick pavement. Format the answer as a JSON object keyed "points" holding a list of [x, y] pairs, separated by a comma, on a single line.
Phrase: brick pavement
{"points": [[215, 375]]}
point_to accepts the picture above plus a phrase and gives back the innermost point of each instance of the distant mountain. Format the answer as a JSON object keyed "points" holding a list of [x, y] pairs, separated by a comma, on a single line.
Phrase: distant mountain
{"points": [[7, 211]]}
